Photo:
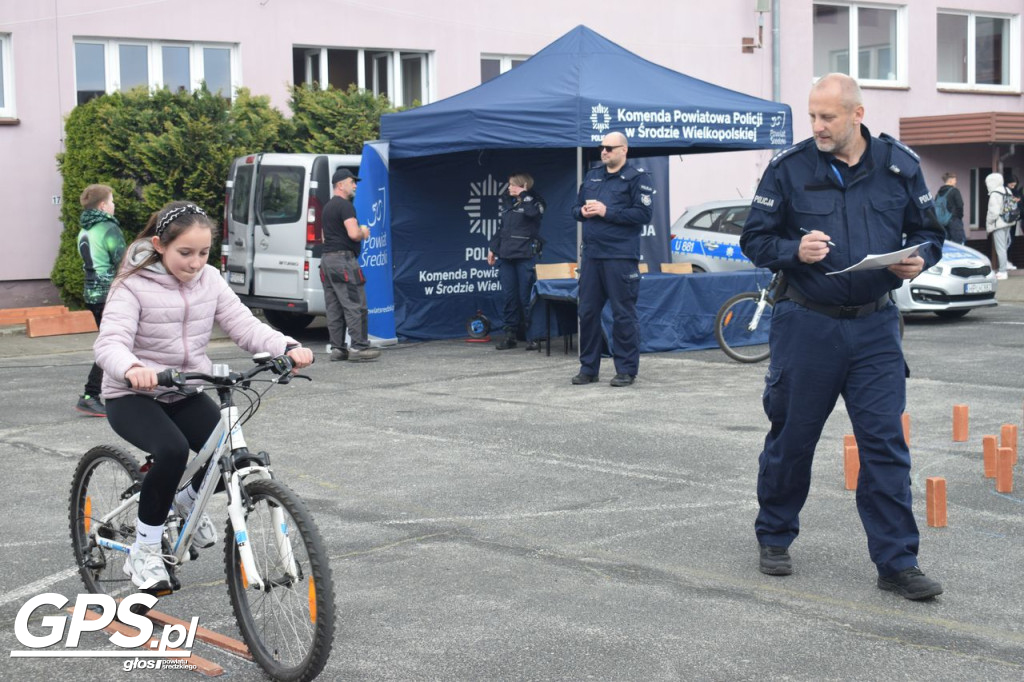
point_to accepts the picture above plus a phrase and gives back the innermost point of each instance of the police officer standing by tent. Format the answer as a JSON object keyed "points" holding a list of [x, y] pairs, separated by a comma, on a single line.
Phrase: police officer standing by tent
{"points": [[614, 204], [517, 244], [823, 205]]}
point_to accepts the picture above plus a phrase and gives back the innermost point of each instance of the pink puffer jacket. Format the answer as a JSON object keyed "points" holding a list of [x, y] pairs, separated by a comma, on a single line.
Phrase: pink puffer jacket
{"points": [[153, 319]]}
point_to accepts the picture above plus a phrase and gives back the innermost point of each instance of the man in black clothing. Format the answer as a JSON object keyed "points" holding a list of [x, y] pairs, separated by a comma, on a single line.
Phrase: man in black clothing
{"points": [[344, 284], [955, 204]]}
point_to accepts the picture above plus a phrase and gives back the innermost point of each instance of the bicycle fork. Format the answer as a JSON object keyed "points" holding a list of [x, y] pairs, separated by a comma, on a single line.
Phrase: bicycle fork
{"points": [[762, 302], [236, 512]]}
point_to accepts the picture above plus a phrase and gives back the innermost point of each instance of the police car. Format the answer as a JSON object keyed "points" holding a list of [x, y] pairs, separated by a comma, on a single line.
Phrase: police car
{"points": [[708, 237]]}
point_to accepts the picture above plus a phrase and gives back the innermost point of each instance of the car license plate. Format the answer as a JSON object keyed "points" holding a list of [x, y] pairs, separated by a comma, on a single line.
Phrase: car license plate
{"points": [[977, 287], [239, 278]]}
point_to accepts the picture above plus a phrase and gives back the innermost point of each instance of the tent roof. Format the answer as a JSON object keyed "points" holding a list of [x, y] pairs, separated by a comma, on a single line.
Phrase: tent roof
{"points": [[576, 90]]}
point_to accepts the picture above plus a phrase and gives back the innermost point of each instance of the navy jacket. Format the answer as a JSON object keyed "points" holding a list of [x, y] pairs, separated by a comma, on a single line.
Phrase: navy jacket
{"points": [[880, 205], [627, 196], [520, 226]]}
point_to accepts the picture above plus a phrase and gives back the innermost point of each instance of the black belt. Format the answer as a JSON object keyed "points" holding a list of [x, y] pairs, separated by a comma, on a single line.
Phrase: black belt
{"points": [[840, 312]]}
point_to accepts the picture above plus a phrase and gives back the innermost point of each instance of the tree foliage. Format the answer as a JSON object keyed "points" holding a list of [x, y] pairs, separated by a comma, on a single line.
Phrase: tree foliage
{"points": [[161, 146], [334, 121]]}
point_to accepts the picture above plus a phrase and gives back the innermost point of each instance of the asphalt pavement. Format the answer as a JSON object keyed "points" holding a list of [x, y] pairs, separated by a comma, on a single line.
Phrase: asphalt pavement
{"points": [[486, 520]]}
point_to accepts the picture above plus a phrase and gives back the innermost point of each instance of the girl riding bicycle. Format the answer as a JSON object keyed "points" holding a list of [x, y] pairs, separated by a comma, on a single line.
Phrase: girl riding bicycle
{"points": [[160, 313]]}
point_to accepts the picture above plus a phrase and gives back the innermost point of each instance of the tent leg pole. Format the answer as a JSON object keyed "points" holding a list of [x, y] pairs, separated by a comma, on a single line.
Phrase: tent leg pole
{"points": [[579, 239]]}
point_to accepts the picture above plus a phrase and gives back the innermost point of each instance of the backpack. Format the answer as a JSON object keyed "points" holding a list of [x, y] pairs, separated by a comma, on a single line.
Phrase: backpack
{"points": [[1011, 210], [942, 211]]}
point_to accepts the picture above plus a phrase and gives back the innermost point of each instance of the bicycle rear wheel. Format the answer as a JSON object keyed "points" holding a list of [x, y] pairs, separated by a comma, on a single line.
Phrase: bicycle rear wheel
{"points": [[106, 476], [289, 624], [732, 328]]}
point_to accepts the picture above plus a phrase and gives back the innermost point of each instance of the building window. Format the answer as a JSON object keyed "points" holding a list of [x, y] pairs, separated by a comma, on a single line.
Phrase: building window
{"points": [[103, 66], [492, 66], [977, 52], [6, 78], [90, 73], [402, 77], [874, 33], [133, 63], [175, 67]]}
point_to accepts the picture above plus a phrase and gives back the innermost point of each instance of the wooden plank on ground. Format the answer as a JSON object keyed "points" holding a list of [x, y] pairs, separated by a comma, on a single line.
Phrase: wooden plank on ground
{"points": [[20, 315], [208, 668], [209, 636], [78, 322]]}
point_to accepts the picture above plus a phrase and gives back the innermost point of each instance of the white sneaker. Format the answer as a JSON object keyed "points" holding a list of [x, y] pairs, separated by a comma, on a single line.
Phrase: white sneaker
{"points": [[1001, 275], [1011, 266], [145, 566], [205, 535]]}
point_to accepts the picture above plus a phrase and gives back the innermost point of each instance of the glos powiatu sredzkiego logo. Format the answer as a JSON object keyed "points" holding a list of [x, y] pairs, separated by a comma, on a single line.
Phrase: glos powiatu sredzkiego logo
{"points": [[94, 612]]}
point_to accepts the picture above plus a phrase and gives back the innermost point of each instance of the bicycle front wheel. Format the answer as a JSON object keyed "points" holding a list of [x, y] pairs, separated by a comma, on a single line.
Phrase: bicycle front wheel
{"points": [[288, 625], [733, 328], [104, 480]]}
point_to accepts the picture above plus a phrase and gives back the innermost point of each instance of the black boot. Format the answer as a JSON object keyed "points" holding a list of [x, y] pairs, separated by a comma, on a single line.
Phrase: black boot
{"points": [[508, 342]]}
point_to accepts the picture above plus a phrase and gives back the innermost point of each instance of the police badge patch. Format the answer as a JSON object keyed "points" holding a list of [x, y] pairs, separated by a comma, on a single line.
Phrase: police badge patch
{"points": [[645, 199]]}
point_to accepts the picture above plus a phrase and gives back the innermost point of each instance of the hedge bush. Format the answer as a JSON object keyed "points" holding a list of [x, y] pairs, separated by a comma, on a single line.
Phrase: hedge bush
{"points": [[156, 147]]}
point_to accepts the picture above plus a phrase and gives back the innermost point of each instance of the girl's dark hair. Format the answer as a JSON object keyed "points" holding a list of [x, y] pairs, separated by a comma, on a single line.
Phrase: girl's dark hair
{"points": [[168, 223]]}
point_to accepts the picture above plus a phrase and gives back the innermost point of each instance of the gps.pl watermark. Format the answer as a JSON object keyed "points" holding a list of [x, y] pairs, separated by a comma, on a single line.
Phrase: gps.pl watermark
{"points": [[92, 613]]}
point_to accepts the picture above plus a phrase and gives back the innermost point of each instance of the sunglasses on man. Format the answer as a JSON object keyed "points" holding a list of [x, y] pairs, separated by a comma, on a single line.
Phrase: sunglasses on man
{"points": [[609, 147]]}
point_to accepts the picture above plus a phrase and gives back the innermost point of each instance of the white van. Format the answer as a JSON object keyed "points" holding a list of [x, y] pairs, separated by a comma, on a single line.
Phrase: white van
{"points": [[272, 238]]}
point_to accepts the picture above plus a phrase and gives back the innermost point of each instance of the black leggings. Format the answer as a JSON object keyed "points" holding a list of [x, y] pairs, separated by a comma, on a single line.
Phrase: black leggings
{"points": [[167, 431]]}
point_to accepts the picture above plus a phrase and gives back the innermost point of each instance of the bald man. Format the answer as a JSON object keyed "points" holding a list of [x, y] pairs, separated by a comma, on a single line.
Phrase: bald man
{"points": [[614, 204], [822, 206]]}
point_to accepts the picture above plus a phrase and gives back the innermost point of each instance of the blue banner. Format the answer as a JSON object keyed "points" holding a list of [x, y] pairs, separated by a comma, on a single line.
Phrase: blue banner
{"points": [[372, 209], [445, 210]]}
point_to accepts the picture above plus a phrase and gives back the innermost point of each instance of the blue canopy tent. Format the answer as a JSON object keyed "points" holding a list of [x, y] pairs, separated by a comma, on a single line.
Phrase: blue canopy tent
{"points": [[449, 162]]}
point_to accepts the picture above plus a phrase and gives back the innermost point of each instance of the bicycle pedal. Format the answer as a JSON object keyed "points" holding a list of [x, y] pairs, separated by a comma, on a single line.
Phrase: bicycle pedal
{"points": [[193, 553]]}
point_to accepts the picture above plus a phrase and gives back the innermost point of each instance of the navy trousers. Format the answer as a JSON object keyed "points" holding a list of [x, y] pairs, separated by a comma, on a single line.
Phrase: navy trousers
{"points": [[516, 276], [814, 360], [616, 281]]}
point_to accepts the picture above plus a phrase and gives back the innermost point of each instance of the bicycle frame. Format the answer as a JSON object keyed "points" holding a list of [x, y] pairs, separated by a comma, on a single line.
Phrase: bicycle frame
{"points": [[224, 446]]}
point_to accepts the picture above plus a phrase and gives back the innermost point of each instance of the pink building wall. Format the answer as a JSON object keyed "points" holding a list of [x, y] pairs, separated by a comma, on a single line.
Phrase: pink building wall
{"points": [[697, 38]]}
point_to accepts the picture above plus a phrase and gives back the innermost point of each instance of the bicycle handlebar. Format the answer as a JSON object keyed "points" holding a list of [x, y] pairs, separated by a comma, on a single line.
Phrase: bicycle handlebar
{"points": [[281, 365]]}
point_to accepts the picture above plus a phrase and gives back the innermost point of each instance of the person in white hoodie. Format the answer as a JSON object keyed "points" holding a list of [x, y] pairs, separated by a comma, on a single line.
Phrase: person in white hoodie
{"points": [[994, 224]]}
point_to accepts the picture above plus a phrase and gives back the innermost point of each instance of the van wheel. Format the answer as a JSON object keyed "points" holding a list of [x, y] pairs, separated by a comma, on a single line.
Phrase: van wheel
{"points": [[289, 323]]}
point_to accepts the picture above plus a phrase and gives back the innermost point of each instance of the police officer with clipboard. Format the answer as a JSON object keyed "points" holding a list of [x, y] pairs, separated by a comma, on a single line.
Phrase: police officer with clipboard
{"points": [[821, 206]]}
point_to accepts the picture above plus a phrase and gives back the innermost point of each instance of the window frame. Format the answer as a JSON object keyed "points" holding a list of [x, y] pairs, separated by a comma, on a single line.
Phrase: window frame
{"points": [[155, 65], [8, 110], [1013, 58], [504, 61], [902, 49], [375, 60]]}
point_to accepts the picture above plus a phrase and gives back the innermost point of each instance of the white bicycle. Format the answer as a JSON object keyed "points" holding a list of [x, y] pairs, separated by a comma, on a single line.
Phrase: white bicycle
{"points": [[278, 577]]}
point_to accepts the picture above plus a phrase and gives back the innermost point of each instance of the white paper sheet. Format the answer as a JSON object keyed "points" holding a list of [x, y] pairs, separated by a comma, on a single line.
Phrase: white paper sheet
{"points": [[877, 261]]}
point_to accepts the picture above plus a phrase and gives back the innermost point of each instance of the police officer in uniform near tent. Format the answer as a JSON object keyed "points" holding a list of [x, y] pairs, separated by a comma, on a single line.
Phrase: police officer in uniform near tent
{"points": [[614, 204], [822, 206]]}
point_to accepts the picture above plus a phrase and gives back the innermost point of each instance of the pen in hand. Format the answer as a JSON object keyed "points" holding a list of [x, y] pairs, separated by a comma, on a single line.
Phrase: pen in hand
{"points": [[829, 242]]}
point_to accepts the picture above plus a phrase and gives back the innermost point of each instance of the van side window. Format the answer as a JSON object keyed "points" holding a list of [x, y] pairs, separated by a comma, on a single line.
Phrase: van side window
{"points": [[281, 194], [240, 194]]}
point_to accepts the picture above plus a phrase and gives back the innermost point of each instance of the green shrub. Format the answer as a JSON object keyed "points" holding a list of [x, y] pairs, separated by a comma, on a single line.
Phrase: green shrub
{"points": [[156, 147], [334, 121], [153, 148]]}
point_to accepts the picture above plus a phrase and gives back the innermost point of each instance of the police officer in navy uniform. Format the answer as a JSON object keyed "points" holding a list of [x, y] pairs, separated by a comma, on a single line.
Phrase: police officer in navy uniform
{"points": [[614, 204], [822, 206], [514, 248]]}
